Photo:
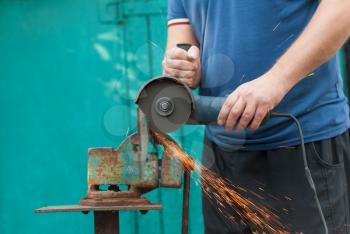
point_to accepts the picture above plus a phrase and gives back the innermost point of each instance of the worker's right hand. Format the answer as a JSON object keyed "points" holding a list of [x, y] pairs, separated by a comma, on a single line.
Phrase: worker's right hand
{"points": [[183, 65]]}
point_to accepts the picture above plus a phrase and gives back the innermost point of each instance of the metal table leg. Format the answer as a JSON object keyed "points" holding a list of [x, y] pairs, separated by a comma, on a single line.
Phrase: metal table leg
{"points": [[185, 202], [106, 222]]}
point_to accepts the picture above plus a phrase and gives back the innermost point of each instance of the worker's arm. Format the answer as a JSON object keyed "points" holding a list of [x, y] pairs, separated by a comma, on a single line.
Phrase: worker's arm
{"points": [[327, 31], [177, 62]]}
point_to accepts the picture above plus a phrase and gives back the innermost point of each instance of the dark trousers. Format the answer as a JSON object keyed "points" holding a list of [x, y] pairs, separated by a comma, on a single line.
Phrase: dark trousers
{"points": [[278, 176]]}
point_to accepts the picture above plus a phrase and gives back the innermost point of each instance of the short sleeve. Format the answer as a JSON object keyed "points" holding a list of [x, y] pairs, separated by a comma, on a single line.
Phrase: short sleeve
{"points": [[176, 12]]}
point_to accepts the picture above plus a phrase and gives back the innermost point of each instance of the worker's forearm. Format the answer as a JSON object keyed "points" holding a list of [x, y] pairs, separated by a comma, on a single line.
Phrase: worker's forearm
{"points": [[181, 34], [327, 31]]}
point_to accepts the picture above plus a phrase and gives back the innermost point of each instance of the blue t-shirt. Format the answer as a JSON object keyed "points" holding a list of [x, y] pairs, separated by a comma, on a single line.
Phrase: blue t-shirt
{"points": [[240, 40]]}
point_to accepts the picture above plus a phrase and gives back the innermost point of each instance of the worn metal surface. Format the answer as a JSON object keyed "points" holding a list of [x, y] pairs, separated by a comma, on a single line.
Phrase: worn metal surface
{"points": [[171, 173], [80, 208], [106, 222], [143, 134], [109, 166], [114, 201], [132, 164]]}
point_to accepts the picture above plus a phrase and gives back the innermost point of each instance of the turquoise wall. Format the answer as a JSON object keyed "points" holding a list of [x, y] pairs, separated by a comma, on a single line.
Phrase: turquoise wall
{"points": [[69, 72]]}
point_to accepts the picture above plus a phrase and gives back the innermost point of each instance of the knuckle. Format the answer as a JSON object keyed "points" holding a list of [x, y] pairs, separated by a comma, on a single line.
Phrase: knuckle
{"points": [[191, 74], [192, 67], [224, 112], [171, 72], [235, 112], [179, 64], [253, 126], [184, 74], [180, 53], [246, 117], [225, 107], [228, 126], [260, 115], [195, 67], [229, 103], [174, 64], [176, 72], [240, 127], [242, 123], [175, 52]]}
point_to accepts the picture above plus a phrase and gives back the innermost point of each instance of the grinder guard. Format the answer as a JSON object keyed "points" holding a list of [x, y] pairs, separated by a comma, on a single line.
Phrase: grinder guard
{"points": [[166, 103], [180, 106]]}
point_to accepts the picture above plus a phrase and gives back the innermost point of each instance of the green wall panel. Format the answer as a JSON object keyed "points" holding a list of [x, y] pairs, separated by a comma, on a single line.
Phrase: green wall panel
{"points": [[69, 72]]}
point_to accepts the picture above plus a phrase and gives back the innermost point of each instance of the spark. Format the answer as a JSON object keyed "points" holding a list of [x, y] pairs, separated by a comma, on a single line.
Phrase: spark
{"points": [[127, 132], [283, 42], [276, 26], [285, 210], [224, 194], [242, 78]]}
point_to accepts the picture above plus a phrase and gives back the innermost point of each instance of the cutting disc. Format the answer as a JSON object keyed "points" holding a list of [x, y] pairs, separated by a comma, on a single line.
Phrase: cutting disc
{"points": [[166, 102]]}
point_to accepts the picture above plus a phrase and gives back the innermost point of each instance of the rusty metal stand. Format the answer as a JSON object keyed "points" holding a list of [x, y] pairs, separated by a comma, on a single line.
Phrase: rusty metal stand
{"points": [[106, 222], [185, 201]]}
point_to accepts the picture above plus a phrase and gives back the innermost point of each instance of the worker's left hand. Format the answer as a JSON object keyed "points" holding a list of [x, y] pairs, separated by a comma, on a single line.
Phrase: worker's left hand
{"points": [[247, 106]]}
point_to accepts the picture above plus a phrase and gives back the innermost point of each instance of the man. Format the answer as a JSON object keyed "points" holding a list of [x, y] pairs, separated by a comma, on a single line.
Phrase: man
{"points": [[270, 55]]}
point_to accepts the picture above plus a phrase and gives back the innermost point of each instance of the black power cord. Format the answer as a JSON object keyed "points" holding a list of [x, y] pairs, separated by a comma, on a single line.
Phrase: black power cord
{"points": [[347, 64], [306, 167]]}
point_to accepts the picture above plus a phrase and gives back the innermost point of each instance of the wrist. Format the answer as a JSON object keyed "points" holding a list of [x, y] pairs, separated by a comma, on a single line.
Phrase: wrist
{"points": [[279, 78]]}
